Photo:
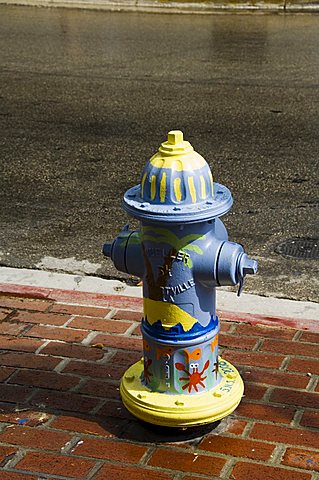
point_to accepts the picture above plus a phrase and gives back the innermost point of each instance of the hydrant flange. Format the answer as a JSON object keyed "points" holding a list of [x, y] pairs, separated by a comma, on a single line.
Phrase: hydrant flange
{"points": [[182, 410]]}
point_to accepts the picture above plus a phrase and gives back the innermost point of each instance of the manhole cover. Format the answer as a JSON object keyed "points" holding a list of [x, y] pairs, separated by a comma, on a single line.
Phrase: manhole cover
{"points": [[299, 248]]}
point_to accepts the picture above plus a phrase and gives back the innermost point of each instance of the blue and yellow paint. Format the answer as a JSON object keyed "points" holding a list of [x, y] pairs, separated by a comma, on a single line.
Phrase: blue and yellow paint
{"points": [[177, 174], [181, 381]]}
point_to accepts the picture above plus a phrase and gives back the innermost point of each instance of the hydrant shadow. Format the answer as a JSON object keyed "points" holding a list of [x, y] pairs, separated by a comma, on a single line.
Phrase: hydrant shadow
{"points": [[140, 431]]}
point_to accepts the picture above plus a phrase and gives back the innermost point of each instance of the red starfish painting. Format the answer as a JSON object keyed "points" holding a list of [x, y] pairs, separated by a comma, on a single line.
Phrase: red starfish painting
{"points": [[195, 378]]}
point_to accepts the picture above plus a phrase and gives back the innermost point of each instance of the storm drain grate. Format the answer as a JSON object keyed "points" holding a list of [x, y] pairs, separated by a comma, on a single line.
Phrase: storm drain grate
{"points": [[299, 248]]}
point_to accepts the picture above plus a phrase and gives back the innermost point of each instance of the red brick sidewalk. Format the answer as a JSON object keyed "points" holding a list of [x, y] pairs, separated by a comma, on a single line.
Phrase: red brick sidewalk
{"points": [[61, 416]]}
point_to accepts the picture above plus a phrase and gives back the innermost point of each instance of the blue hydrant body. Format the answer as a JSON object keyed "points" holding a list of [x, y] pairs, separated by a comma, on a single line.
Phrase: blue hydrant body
{"points": [[182, 253]]}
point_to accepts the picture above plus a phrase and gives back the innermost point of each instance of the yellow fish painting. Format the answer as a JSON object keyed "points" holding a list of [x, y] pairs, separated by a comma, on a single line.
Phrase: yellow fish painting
{"points": [[214, 343], [194, 355]]}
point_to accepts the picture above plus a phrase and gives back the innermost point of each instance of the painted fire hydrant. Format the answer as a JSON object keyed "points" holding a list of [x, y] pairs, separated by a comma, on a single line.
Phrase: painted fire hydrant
{"points": [[182, 253]]}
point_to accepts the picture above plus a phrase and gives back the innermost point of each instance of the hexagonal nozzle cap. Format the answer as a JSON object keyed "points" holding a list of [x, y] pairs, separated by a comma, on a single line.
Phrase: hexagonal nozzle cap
{"points": [[107, 249], [247, 266]]}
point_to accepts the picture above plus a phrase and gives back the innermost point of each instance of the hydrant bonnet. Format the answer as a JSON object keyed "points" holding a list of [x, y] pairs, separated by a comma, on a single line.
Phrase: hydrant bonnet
{"points": [[177, 186]]}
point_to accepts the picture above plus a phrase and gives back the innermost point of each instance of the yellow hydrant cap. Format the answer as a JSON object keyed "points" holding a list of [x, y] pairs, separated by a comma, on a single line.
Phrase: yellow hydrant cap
{"points": [[175, 144]]}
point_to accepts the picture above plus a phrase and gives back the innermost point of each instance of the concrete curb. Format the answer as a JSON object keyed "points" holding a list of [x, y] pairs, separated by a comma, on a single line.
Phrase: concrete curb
{"points": [[186, 7], [94, 291]]}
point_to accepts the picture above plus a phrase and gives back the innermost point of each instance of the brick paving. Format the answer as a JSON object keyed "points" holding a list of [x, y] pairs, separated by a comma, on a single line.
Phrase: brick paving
{"points": [[61, 416]]}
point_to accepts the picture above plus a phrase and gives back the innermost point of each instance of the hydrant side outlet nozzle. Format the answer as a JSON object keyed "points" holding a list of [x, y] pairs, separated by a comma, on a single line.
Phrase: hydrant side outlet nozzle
{"points": [[234, 264], [125, 252], [182, 253]]}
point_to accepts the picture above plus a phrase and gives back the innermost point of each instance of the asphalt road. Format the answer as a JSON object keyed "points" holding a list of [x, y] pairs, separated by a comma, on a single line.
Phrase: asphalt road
{"points": [[87, 97]]}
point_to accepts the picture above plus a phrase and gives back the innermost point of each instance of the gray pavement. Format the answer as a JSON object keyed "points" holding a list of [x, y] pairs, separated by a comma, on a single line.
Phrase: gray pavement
{"points": [[87, 97]]}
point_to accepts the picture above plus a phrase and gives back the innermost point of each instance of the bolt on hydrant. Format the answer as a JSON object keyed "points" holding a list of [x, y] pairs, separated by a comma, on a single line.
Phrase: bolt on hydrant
{"points": [[182, 253]]}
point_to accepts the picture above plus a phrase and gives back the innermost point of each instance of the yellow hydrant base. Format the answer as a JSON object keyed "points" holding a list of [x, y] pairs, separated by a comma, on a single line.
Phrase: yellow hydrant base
{"points": [[182, 410]]}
